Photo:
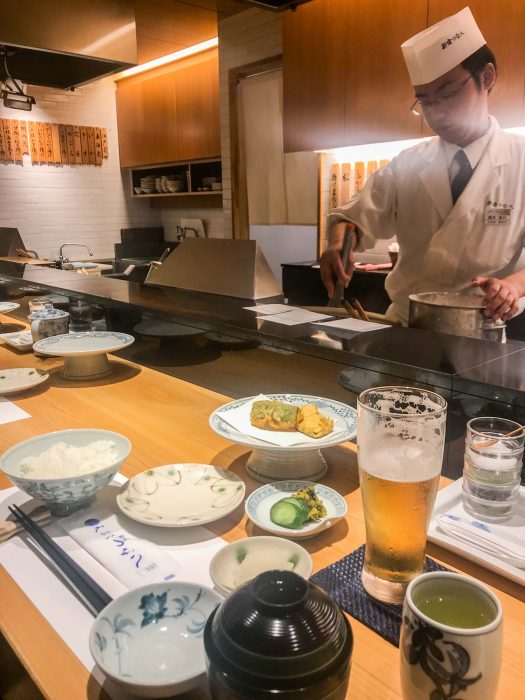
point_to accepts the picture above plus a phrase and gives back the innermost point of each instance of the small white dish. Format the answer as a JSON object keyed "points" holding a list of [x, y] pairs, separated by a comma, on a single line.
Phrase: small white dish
{"points": [[7, 306], [244, 559], [149, 640], [84, 353], [181, 495], [20, 379], [449, 500], [21, 340], [259, 503]]}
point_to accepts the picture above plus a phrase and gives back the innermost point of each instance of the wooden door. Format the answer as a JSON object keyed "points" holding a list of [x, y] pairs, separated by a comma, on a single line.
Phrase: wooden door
{"points": [[502, 23], [314, 75], [378, 92], [198, 121]]}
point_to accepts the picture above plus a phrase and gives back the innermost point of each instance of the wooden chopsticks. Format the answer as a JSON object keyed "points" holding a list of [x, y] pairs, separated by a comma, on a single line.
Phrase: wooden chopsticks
{"points": [[94, 597]]}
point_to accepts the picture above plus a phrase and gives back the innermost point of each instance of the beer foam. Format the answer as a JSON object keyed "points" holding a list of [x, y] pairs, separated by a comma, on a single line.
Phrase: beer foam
{"points": [[401, 460]]}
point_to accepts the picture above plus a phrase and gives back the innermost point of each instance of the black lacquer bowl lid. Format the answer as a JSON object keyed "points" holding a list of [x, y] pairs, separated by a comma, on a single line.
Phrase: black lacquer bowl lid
{"points": [[278, 628]]}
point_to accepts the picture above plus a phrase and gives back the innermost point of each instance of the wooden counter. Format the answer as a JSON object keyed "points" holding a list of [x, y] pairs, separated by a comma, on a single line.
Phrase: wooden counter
{"points": [[166, 420]]}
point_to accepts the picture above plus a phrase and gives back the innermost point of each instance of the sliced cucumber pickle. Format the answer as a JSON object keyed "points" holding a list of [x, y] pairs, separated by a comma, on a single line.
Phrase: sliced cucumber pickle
{"points": [[288, 512]]}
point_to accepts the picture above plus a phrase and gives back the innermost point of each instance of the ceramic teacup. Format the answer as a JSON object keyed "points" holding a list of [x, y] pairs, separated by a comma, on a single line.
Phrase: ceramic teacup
{"points": [[451, 638], [48, 322]]}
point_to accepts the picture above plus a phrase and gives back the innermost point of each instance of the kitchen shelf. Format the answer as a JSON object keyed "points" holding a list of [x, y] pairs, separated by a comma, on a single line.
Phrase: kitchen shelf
{"points": [[193, 174]]}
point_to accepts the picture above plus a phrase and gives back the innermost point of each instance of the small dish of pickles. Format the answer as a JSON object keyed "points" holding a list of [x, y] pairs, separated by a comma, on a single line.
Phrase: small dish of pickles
{"points": [[295, 509]]}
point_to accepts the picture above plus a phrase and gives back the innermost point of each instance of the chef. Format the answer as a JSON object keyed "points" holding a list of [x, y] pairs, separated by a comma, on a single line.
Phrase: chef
{"points": [[456, 202]]}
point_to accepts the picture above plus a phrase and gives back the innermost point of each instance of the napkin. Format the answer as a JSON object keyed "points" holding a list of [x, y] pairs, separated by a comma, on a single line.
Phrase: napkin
{"points": [[239, 418], [10, 412], [132, 551]]}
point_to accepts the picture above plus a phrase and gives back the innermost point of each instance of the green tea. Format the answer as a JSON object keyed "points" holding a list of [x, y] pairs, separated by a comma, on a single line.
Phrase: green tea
{"points": [[454, 603]]}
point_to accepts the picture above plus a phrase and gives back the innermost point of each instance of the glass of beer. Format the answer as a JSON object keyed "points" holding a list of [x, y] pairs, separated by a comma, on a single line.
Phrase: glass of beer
{"points": [[400, 438]]}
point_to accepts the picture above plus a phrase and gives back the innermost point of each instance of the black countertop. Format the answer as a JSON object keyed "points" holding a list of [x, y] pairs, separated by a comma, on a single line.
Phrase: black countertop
{"points": [[447, 362], [476, 377]]}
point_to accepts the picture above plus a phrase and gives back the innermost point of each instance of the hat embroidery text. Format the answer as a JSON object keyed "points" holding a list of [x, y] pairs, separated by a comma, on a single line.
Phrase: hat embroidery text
{"points": [[449, 42]]}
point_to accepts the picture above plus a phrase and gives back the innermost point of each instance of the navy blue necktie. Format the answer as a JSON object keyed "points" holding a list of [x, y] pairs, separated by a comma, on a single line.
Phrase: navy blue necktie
{"points": [[462, 177]]}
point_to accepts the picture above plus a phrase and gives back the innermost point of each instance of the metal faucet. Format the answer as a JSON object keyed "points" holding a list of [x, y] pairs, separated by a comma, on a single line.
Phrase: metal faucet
{"points": [[61, 259]]}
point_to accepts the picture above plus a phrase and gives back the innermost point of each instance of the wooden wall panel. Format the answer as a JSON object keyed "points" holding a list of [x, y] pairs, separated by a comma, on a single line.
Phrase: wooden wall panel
{"points": [[502, 24], [314, 75], [130, 119], [378, 93], [170, 113], [160, 119], [198, 124]]}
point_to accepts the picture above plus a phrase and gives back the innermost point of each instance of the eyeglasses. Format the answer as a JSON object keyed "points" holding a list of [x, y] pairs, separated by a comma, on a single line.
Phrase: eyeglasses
{"points": [[445, 100]]}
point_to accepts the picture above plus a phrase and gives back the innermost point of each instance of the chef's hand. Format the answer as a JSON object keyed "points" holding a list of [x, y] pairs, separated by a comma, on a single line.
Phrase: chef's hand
{"points": [[331, 264], [501, 297]]}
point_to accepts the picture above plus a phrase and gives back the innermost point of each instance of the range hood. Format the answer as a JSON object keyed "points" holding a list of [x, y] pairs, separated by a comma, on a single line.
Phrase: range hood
{"points": [[66, 43]]}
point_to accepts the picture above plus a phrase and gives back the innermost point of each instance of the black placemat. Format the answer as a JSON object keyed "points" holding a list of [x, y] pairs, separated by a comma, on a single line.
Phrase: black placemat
{"points": [[343, 581]]}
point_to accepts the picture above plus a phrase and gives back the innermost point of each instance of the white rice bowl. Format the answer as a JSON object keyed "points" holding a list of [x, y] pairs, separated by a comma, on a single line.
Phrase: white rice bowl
{"points": [[66, 489]]}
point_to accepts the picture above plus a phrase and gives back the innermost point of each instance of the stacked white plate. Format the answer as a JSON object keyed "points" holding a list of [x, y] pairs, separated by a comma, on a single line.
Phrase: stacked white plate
{"points": [[147, 184]]}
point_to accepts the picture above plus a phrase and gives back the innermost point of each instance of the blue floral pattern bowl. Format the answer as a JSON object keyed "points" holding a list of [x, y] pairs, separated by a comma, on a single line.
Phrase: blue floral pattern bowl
{"points": [[150, 640], [63, 495]]}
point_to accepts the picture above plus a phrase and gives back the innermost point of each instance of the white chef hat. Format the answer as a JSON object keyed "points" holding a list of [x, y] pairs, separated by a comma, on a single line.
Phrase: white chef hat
{"points": [[438, 49]]}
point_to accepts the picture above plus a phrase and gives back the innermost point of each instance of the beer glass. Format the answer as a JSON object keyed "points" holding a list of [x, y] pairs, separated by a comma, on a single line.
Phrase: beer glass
{"points": [[400, 438]]}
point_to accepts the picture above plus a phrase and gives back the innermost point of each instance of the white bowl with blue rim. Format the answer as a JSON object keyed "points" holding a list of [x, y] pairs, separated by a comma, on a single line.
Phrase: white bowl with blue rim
{"points": [[149, 640], [244, 559], [259, 503], [64, 494]]}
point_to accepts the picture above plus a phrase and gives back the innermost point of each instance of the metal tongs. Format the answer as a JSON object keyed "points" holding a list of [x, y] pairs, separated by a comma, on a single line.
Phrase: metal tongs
{"points": [[338, 296], [353, 307]]}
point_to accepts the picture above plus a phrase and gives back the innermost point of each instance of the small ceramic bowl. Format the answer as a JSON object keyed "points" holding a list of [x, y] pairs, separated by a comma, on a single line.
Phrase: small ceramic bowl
{"points": [[240, 561], [149, 640], [138, 190], [63, 495]]}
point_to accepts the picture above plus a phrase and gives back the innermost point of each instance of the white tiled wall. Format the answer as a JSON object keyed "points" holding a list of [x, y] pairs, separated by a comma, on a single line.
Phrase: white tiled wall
{"points": [[88, 204]]}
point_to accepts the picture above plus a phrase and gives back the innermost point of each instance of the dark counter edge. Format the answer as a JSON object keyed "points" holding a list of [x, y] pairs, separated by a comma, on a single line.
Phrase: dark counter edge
{"points": [[449, 363]]}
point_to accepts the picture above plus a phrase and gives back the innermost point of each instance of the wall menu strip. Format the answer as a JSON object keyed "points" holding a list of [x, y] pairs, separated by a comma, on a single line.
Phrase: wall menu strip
{"points": [[63, 144], [84, 145], [50, 143], [105, 148], [33, 142], [91, 145]]}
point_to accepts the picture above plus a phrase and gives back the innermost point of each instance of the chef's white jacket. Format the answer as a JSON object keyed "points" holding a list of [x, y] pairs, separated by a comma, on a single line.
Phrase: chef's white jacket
{"points": [[443, 246]]}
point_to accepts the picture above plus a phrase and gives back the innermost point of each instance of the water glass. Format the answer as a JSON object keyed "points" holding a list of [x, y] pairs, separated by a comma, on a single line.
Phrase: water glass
{"points": [[492, 468], [401, 436], [451, 638], [81, 315], [39, 304]]}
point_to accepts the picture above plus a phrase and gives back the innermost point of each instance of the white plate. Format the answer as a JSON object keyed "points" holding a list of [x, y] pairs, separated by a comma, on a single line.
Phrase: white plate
{"points": [[21, 340], [8, 306], [340, 412], [259, 503], [19, 379], [180, 495], [244, 559], [83, 344], [450, 500]]}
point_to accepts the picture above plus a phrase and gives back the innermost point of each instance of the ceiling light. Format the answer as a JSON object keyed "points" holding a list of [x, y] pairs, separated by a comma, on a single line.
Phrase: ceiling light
{"points": [[183, 53]]}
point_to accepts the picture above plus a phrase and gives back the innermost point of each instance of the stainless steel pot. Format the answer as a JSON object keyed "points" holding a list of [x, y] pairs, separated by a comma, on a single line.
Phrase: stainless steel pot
{"points": [[456, 313]]}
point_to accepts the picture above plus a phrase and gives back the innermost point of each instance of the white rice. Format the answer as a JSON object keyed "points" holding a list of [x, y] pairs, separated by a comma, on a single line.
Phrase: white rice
{"points": [[63, 460]]}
